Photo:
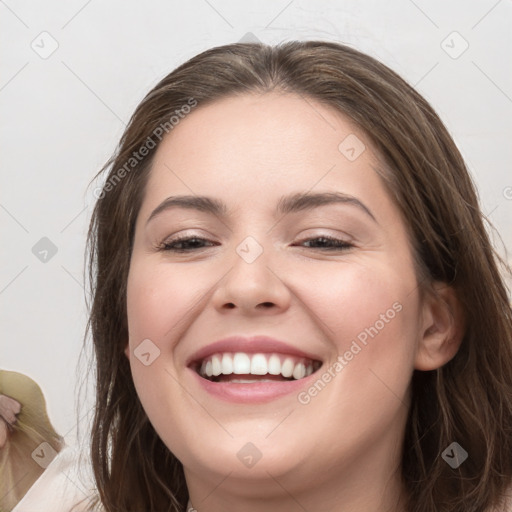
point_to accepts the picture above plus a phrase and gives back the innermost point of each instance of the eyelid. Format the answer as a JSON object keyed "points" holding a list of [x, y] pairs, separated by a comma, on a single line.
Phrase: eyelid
{"points": [[329, 233], [192, 232], [324, 232]]}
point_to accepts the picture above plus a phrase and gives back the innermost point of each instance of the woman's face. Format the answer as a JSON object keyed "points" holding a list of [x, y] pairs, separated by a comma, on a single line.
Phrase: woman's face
{"points": [[260, 267]]}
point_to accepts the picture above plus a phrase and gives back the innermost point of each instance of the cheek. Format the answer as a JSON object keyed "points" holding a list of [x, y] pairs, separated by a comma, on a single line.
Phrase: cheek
{"points": [[156, 301], [355, 299], [157, 305], [371, 316]]}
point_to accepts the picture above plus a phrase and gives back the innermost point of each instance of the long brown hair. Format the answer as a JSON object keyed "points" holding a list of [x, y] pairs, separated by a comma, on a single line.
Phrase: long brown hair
{"points": [[468, 400]]}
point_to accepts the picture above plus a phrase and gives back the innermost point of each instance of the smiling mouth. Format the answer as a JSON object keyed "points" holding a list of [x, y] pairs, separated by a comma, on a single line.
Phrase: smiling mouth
{"points": [[244, 368]]}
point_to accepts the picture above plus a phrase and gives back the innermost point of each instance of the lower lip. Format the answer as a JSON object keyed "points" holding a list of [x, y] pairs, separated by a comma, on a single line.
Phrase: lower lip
{"points": [[257, 392]]}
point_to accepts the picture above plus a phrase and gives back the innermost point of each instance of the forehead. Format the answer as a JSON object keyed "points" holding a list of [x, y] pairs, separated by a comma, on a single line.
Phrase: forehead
{"points": [[266, 140], [283, 126]]}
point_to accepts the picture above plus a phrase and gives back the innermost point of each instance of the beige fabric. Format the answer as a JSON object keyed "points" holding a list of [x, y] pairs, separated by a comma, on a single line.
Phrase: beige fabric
{"points": [[23, 456]]}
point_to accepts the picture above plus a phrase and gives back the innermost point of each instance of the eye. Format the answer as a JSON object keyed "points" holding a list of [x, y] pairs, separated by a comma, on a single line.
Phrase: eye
{"points": [[328, 243], [191, 243], [184, 244]]}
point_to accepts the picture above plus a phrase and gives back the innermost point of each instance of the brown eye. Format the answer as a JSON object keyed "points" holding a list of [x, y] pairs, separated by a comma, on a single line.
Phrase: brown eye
{"points": [[328, 243], [184, 244]]}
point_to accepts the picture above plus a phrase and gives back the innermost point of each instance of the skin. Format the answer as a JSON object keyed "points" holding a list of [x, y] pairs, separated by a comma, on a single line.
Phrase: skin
{"points": [[9, 408], [341, 451]]}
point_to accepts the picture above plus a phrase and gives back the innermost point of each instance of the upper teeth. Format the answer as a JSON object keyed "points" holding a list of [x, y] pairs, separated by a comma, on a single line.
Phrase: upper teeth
{"points": [[256, 364]]}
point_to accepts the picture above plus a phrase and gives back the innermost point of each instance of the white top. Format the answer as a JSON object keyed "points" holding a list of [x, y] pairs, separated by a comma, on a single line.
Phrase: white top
{"points": [[60, 487]]}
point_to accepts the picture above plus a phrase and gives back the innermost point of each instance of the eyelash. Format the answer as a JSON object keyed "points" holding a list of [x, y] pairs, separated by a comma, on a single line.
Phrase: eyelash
{"points": [[339, 245]]}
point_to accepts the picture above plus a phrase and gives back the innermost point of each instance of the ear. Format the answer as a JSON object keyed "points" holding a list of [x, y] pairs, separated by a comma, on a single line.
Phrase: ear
{"points": [[127, 350], [442, 329]]}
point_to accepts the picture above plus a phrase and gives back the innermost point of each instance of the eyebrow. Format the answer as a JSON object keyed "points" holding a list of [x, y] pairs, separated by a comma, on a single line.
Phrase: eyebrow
{"points": [[287, 204]]}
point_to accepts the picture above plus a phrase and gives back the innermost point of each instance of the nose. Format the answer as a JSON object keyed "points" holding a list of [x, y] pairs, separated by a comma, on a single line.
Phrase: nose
{"points": [[254, 284]]}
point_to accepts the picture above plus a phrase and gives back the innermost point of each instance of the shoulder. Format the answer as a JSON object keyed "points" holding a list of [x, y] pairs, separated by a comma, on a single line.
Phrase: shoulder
{"points": [[66, 485]]}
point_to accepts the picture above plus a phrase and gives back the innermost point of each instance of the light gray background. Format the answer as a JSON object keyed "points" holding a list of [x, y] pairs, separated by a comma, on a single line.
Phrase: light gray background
{"points": [[63, 115]]}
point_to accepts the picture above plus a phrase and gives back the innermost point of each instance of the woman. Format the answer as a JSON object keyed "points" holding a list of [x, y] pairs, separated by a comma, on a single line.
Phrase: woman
{"points": [[296, 304]]}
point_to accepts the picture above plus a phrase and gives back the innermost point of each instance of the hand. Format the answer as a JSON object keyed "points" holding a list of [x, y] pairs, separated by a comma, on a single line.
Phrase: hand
{"points": [[9, 408]]}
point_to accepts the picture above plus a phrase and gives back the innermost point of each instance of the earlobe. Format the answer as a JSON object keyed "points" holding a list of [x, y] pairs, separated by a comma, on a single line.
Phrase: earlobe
{"points": [[127, 351], [442, 329]]}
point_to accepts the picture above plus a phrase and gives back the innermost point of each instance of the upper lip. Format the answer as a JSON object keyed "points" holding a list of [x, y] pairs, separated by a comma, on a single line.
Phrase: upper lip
{"points": [[249, 345]]}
